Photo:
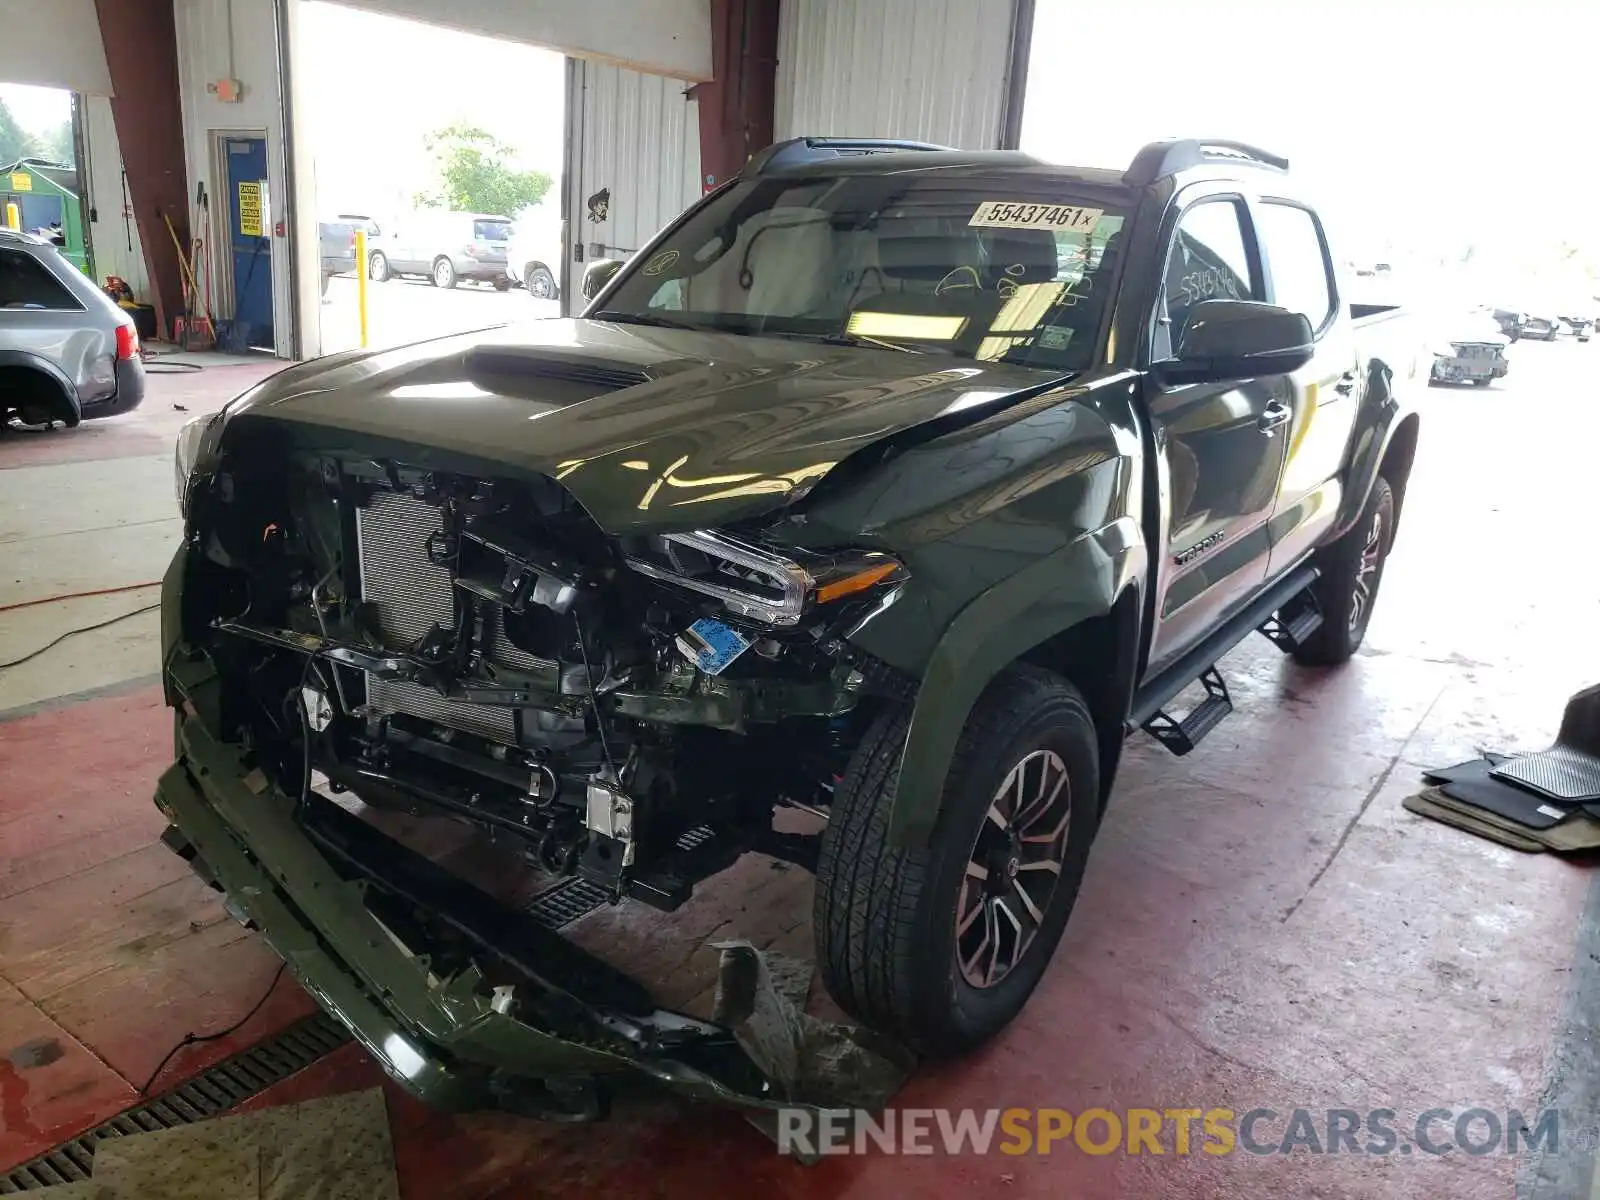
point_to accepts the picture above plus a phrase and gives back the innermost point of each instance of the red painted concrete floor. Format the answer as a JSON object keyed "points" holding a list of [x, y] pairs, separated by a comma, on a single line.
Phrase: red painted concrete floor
{"points": [[171, 399], [1262, 924]]}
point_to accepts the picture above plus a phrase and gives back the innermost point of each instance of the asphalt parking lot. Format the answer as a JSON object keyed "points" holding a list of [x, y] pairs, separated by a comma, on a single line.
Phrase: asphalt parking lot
{"points": [[411, 310]]}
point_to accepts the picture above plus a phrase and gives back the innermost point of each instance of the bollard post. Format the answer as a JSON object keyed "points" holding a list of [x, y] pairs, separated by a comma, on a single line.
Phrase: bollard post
{"points": [[361, 282]]}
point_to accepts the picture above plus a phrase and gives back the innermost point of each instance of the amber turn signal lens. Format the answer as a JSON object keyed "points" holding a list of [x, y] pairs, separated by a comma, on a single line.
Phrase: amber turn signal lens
{"points": [[859, 582]]}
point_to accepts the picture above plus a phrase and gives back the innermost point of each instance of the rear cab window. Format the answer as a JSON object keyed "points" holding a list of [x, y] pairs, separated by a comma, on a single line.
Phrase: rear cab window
{"points": [[491, 229], [1296, 250], [25, 283]]}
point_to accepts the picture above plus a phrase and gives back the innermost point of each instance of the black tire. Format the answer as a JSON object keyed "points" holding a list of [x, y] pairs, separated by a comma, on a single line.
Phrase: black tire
{"points": [[1344, 617], [539, 282], [502, 285], [378, 267], [886, 917], [443, 273], [1482, 382]]}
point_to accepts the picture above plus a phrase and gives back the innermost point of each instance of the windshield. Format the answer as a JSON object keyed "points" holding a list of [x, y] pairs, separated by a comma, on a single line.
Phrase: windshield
{"points": [[491, 229], [997, 267]]}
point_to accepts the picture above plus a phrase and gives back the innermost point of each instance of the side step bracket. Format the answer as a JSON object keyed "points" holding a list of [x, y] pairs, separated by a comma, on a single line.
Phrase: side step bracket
{"points": [[1290, 627], [1181, 736]]}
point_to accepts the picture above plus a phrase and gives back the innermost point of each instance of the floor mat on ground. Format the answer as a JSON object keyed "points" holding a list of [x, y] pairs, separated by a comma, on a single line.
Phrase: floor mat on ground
{"points": [[334, 1148], [1579, 832], [1472, 783], [1570, 770]]}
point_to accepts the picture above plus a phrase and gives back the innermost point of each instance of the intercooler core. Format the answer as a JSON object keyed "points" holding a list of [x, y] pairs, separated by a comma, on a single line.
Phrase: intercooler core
{"points": [[409, 594]]}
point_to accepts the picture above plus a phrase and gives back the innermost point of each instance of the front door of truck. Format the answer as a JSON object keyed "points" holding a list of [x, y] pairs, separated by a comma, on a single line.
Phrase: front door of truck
{"points": [[1220, 445], [1323, 394]]}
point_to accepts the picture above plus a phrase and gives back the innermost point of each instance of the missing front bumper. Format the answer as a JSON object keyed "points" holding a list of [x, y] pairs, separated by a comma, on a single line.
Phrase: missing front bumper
{"points": [[445, 1040]]}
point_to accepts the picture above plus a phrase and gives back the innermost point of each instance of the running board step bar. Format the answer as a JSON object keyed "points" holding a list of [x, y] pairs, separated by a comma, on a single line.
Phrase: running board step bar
{"points": [[1181, 736], [1147, 710], [1292, 625]]}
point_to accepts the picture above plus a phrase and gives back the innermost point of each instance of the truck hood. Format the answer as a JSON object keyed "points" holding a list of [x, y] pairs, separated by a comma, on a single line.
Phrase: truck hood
{"points": [[648, 428]]}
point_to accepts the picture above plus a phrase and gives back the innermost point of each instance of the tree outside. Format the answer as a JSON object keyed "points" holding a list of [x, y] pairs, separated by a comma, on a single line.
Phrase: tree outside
{"points": [[17, 142], [476, 174]]}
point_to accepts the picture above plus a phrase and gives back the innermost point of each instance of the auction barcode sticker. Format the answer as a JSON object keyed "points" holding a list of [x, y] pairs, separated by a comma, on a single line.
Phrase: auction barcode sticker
{"points": [[1003, 214]]}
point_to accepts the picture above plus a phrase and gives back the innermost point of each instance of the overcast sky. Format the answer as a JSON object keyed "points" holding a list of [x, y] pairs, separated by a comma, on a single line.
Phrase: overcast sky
{"points": [[37, 109], [375, 85], [1428, 122]]}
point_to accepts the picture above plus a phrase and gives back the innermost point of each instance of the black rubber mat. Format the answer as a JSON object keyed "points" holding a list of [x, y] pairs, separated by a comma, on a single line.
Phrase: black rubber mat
{"points": [[1570, 770], [1558, 773], [1472, 783]]}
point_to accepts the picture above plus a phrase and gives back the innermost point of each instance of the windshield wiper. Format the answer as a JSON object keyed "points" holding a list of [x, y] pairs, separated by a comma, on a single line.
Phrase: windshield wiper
{"points": [[629, 318], [839, 339]]}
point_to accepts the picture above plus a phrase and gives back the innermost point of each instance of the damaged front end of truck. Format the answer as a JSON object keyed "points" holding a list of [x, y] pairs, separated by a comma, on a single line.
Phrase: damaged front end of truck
{"points": [[353, 618]]}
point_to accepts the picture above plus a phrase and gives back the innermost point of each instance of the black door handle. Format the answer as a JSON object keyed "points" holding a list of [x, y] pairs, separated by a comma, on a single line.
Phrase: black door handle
{"points": [[1272, 416], [1346, 384]]}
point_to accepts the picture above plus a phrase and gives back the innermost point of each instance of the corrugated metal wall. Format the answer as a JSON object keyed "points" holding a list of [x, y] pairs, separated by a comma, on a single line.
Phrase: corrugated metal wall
{"points": [[637, 138], [928, 69]]}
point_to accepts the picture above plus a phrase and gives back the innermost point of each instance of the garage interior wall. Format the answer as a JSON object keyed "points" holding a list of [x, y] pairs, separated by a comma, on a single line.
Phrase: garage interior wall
{"points": [[115, 234], [933, 70], [670, 37], [53, 43], [636, 138], [234, 39]]}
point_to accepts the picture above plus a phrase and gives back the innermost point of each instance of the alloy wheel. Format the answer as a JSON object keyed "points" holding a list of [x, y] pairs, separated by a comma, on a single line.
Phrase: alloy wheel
{"points": [[1013, 869], [1367, 574]]}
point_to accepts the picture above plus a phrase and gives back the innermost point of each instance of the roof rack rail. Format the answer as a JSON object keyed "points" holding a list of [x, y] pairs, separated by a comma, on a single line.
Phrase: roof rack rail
{"points": [[1160, 159], [798, 151]]}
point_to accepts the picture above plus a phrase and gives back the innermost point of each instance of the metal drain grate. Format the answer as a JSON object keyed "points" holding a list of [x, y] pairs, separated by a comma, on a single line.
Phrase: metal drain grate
{"points": [[566, 902], [212, 1092], [698, 836]]}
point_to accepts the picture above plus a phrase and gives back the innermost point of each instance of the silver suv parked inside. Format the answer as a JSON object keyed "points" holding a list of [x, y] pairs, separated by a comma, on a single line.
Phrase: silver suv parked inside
{"points": [[67, 352]]}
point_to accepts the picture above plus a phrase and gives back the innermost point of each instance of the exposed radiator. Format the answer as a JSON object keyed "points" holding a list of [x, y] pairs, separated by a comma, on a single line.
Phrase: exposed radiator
{"points": [[410, 595]]}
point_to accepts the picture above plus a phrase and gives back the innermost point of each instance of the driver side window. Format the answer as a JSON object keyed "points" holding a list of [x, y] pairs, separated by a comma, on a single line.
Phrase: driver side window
{"points": [[1209, 259]]}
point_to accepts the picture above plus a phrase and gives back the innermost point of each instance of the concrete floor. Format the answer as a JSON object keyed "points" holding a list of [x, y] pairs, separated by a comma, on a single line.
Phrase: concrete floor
{"points": [[1262, 925]]}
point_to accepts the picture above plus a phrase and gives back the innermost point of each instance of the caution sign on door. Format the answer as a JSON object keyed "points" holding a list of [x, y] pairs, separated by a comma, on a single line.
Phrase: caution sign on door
{"points": [[250, 208]]}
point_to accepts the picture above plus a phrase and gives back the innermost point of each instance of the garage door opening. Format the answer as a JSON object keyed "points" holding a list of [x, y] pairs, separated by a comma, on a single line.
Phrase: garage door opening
{"points": [[40, 187], [1432, 150], [445, 148]]}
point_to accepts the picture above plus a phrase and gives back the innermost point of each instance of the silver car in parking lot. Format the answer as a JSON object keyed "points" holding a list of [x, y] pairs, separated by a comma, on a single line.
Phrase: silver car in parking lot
{"points": [[67, 352]]}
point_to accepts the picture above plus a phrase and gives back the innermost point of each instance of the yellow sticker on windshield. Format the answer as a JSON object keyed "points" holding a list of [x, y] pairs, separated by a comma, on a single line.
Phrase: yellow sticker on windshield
{"points": [[1003, 214]]}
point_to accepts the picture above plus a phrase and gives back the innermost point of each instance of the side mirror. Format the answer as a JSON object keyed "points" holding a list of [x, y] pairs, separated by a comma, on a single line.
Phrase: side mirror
{"points": [[598, 274], [1238, 339]]}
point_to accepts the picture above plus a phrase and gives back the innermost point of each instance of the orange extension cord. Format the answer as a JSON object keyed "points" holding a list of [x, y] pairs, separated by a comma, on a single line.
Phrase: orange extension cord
{"points": [[110, 591]]}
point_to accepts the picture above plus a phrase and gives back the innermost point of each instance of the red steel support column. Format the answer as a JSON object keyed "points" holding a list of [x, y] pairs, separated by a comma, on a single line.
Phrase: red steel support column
{"points": [[141, 43], [736, 106]]}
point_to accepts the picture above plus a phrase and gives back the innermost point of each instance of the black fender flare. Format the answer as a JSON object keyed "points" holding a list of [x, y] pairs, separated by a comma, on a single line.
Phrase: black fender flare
{"points": [[1081, 581], [69, 390], [1377, 423]]}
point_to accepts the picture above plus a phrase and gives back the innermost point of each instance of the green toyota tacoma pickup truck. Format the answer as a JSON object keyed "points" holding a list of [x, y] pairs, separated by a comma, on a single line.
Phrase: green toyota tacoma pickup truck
{"points": [[891, 483]]}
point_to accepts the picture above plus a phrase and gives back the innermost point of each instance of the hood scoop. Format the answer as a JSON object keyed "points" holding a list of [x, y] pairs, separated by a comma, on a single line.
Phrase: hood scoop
{"points": [[511, 371]]}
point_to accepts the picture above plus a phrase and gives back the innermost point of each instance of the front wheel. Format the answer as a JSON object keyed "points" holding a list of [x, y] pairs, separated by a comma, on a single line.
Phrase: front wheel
{"points": [[940, 946], [541, 284], [1352, 569], [444, 273]]}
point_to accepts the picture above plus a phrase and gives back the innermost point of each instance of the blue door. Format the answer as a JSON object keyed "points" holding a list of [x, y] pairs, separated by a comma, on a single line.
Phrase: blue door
{"points": [[251, 239]]}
